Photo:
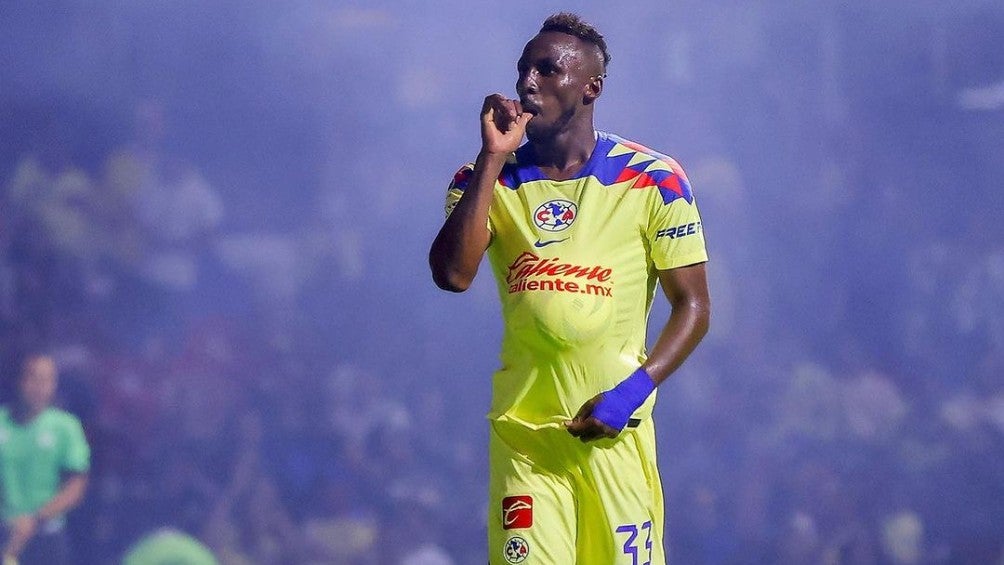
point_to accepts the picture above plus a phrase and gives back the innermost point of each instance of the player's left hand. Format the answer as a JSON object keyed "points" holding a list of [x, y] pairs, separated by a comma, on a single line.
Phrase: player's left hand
{"points": [[586, 427]]}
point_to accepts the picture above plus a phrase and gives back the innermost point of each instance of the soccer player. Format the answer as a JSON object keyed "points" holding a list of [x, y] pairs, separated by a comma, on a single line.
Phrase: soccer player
{"points": [[39, 446], [579, 226]]}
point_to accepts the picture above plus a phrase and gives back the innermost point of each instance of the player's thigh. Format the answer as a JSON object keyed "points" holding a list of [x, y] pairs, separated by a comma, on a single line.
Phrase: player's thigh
{"points": [[621, 502], [531, 510]]}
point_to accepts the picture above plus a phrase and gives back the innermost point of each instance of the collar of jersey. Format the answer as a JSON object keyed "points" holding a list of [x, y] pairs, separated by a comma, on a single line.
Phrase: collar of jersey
{"points": [[523, 170]]}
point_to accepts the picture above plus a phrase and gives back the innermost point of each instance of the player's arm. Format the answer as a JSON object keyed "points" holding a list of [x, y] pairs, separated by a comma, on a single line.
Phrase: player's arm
{"points": [[686, 288], [457, 250], [23, 528]]}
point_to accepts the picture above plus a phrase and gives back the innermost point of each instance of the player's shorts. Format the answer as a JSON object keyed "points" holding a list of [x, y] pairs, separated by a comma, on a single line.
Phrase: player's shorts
{"points": [[554, 500]]}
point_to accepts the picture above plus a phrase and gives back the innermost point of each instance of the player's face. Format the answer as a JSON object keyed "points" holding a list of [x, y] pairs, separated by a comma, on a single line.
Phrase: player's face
{"points": [[555, 71], [38, 382]]}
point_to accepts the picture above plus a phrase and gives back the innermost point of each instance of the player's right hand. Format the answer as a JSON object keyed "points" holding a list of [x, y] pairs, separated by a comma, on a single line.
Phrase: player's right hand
{"points": [[503, 123], [588, 427]]}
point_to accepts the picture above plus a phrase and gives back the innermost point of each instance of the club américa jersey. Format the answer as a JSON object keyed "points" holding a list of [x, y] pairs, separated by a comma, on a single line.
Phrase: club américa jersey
{"points": [[576, 265]]}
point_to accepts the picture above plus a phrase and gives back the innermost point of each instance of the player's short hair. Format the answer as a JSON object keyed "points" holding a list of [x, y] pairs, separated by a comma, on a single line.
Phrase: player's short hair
{"points": [[572, 24]]}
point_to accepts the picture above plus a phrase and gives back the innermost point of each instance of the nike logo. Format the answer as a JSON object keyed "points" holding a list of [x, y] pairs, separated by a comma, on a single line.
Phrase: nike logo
{"points": [[540, 243]]}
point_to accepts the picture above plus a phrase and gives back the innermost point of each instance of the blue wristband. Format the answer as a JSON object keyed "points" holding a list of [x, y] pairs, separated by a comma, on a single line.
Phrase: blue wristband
{"points": [[620, 402]]}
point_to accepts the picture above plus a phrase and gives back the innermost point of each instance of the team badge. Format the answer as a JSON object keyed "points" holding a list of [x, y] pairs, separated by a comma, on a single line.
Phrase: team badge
{"points": [[516, 550], [556, 215], [517, 512]]}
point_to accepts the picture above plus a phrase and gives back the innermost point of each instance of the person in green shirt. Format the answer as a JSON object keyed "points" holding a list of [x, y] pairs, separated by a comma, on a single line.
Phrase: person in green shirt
{"points": [[44, 464]]}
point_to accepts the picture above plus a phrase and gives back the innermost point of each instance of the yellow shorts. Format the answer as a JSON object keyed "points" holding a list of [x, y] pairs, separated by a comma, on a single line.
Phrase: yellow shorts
{"points": [[554, 500]]}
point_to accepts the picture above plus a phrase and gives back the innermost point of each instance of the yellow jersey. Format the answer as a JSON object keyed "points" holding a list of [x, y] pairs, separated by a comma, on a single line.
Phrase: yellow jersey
{"points": [[576, 265]]}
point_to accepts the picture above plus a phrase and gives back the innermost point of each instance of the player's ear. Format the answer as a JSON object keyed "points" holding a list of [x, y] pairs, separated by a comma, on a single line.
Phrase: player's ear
{"points": [[593, 88]]}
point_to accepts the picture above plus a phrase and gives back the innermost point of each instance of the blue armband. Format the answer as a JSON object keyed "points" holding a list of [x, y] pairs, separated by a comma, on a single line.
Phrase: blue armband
{"points": [[621, 401]]}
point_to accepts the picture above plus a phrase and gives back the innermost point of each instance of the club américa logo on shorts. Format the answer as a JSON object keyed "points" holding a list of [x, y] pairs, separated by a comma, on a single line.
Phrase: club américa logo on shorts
{"points": [[555, 215], [517, 512], [516, 550]]}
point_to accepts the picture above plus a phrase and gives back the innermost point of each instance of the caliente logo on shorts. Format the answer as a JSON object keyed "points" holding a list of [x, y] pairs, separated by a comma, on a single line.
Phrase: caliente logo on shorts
{"points": [[517, 512], [555, 215], [516, 550]]}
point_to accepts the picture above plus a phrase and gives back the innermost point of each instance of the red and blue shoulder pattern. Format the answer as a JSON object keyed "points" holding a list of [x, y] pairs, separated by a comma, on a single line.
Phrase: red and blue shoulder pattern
{"points": [[462, 177], [615, 160]]}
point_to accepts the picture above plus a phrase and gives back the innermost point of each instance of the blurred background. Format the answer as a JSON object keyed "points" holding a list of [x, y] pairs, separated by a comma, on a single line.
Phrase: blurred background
{"points": [[217, 216]]}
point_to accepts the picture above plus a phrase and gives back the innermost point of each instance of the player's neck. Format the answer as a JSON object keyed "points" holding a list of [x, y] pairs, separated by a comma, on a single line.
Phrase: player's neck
{"points": [[566, 152]]}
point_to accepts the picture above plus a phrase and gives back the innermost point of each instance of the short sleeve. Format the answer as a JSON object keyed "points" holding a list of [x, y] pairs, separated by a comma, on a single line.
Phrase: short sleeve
{"points": [[675, 232], [77, 458], [457, 187]]}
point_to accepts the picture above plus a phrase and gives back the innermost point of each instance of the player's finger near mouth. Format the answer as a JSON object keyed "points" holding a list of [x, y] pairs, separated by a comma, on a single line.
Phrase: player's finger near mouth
{"points": [[511, 109], [502, 120]]}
